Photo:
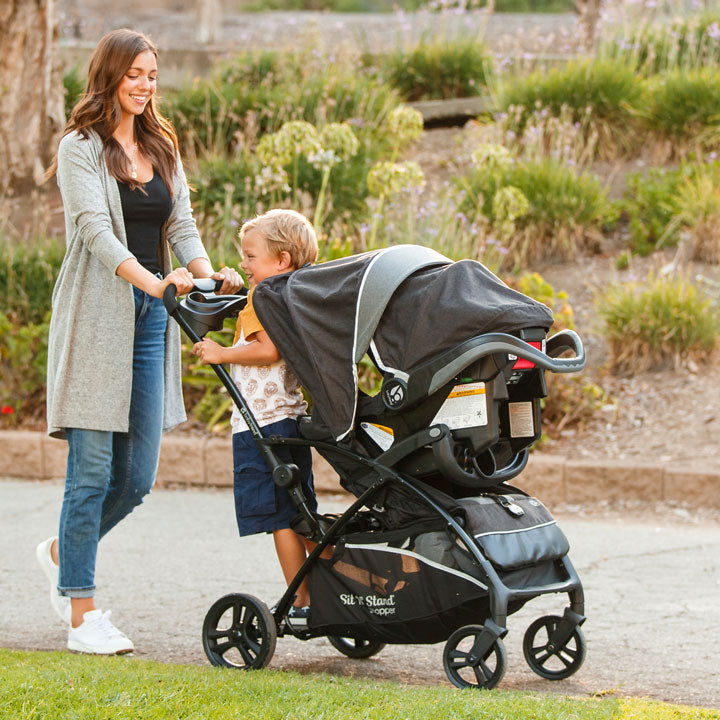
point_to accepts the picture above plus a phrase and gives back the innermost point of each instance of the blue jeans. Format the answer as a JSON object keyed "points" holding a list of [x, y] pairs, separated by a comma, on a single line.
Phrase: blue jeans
{"points": [[108, 473]]}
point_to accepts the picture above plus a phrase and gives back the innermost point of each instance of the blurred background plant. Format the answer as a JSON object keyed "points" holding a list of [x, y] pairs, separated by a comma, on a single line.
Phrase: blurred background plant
{"points": [[656, 323], [556, 209], [683, 43], [435, 68], [602, 96], [572, 399], [23, 356]]}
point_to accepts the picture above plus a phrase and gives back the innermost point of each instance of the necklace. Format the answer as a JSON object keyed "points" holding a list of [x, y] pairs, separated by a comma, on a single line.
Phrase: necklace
{"points": [[133, 164]]}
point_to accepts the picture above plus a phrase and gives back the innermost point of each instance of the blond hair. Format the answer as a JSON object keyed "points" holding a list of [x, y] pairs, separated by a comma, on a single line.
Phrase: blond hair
{"points": [[288, 231]]}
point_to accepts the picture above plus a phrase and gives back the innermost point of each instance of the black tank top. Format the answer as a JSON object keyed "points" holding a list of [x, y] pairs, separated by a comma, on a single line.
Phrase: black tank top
{"points": [[144, 216]]}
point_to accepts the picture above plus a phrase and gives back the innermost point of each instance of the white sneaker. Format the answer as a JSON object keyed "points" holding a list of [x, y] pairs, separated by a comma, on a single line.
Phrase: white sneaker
{"points": [[60, 603], [98, 636]]}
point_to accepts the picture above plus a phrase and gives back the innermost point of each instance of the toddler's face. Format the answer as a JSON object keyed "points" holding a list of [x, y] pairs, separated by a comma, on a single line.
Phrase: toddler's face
{"points": [[257, 262]]}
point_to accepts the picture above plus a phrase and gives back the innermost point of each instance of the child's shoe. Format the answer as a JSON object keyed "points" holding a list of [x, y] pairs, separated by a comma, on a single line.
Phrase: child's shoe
{"points": [[297, 618], [98, 636], [60, 603]]}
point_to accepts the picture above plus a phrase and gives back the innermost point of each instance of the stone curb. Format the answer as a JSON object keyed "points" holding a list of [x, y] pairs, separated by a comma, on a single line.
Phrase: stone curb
{"points": [[207, 462]]}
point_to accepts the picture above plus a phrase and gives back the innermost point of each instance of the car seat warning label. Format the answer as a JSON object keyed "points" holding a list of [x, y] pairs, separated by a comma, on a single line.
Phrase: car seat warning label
{"points": [[382, 436], [521, 419], [465, 406]]}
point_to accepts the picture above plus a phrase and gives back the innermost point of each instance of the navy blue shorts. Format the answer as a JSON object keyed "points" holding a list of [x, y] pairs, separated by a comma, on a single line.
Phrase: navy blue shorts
{"points": [[260, 505]]}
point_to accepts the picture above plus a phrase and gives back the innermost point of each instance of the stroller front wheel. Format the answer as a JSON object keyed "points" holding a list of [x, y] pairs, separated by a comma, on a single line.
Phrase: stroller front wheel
{"points": [[239, 632], [548, 661], [466, 669], [356, 648]]}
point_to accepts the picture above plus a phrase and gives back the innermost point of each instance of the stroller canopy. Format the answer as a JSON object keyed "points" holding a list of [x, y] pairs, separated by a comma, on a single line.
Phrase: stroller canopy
{"points": [[405, 304]]}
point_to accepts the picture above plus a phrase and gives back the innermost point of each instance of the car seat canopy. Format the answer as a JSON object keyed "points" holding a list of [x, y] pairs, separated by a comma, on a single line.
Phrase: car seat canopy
{"points": [[406, 304]]}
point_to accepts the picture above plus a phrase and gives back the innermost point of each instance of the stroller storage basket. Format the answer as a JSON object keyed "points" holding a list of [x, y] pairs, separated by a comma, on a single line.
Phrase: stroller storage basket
{"points": [[514, 531]]}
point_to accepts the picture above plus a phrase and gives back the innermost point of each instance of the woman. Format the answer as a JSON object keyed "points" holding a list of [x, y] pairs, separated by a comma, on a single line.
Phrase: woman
{"points": [[113, 358]]}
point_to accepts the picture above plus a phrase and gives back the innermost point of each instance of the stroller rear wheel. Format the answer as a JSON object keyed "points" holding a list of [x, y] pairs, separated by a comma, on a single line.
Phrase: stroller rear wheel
{"points": [[547, 660], [354, 647], [465, 668], [239, 632]]}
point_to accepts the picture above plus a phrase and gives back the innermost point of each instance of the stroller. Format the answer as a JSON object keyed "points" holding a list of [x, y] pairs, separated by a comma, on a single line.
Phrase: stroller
{"points": [[438, 546]]}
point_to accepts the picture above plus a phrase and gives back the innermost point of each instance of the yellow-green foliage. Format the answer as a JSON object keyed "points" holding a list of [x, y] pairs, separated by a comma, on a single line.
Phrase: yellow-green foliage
{"points": [[572, 399], [535, 285], [656, 323]]}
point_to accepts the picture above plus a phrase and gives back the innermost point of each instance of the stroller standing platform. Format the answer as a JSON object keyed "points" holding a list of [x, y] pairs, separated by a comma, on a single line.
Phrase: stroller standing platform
{"points": [[438, 546]]}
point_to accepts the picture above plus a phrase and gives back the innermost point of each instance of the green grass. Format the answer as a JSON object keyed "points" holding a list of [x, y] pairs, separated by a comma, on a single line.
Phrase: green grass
{"points": [[60, 685]]}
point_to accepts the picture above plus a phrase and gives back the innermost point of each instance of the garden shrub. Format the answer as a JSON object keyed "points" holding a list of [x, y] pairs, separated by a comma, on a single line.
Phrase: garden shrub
{"points": [[685, 105], [649, 203], [660, 202], [438, 68], [656, 324], [564, 207], [23, 352], [27, 277], [609, 91]]}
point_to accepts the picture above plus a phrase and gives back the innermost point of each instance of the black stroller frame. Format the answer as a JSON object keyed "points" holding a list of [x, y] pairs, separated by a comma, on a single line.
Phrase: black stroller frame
{"points": [[474, 654]]}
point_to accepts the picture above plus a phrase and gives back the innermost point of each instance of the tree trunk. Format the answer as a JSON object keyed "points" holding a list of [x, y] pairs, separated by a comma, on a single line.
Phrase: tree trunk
{"points": [[589, 16], [31, 111], [209, 20]]}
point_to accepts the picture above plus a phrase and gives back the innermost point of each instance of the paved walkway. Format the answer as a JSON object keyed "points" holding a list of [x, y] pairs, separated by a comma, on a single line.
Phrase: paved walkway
{"points": [[652, 588]]}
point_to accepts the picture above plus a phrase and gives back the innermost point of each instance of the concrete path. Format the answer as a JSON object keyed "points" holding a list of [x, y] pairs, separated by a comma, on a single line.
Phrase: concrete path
{"points": [[652, 587]]}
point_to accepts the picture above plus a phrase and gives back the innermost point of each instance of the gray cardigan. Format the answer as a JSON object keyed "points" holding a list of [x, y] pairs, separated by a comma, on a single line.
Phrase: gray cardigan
{"points": [[90, 347]]}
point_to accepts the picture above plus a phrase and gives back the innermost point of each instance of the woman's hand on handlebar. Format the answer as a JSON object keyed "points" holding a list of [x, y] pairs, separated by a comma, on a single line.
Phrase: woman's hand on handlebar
{"points": [[232, 281], [181, 278]]}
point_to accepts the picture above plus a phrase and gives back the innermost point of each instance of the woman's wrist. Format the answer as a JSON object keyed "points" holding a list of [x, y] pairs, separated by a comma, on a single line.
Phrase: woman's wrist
{"points": [[157, 289]]}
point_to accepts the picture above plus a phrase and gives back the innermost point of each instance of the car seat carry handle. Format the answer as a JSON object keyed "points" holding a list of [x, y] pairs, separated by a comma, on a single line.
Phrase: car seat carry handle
{"points": [[492, 343], [447, 464]]}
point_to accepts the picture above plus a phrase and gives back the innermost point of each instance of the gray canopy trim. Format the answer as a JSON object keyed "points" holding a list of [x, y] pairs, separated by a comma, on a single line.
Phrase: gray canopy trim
{"points": [[385, 273], [378, 360], [388, 269]]}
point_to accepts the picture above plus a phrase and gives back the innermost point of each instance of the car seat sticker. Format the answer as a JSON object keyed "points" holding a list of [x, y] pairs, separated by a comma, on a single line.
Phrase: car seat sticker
{"points": [[381, 435], [522, 423], [465, 406]]}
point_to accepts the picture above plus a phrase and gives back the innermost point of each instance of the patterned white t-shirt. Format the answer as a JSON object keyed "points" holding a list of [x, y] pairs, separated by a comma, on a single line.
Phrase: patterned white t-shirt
{"points": [[272, 392]]}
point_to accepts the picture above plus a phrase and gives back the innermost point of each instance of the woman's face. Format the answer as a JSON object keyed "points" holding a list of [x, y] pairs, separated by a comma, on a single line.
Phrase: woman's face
{"points": [[138, 84]]}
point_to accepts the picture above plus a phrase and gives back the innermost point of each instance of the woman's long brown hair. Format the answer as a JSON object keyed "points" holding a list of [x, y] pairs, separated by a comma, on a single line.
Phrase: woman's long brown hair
{"points": [[98, 109]]}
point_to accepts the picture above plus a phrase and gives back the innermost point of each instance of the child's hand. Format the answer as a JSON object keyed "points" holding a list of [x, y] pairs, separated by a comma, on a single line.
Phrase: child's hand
{"points": [[209, 352]]}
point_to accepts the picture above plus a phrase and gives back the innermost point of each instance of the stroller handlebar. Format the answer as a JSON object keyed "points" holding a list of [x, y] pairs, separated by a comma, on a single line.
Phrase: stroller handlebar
{"points": [[204, 285]]}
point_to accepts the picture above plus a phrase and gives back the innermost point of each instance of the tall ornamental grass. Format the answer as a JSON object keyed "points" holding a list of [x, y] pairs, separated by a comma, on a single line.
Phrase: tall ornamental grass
{"points": [[685, 43], [437, 68], [684, 106], [656, 324], [607, 91]]}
